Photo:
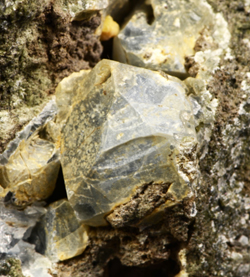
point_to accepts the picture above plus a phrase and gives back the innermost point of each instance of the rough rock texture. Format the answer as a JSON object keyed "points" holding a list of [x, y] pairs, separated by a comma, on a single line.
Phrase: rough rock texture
{"points": [[219, 243], [39, 45], [127, 127], [135, 251]]}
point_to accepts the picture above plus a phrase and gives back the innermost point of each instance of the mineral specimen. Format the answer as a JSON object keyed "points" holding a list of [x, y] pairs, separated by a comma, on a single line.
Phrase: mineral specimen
{"points": [[58, 234], [161, 34], [15, 227], [127, 127], [29, 166], [82, 10], [15, 224], [65, 93]]}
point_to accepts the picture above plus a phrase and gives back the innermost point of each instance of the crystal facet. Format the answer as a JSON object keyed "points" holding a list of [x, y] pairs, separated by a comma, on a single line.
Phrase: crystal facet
{"points": [[59, 235], [159, 36], [30, 165], [128, 126]]}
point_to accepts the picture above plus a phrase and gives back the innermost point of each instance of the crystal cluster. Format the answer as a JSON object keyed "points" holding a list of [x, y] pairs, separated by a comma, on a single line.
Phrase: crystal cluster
{"points": [[59, 235], [116, 130]]}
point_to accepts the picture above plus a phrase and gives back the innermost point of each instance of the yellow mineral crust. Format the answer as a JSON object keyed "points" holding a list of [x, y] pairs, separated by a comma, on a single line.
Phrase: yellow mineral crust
{"points": [[110, 28]]}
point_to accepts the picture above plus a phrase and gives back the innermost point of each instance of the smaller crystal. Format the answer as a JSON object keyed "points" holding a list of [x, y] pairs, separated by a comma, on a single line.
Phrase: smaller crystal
{"points": [[159, 36], [59, 235]]}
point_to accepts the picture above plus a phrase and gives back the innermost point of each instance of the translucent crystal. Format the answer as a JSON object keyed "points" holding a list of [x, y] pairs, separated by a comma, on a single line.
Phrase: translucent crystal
{"points": [[128, 126], [14, 225], [30, 165], [161, 34], [78, 9], [59, 235]]}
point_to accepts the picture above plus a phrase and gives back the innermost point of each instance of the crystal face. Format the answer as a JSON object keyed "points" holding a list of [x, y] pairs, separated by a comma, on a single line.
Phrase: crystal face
{"points": [[30, 165], [127, 127], [59, 235], [159, 36]]}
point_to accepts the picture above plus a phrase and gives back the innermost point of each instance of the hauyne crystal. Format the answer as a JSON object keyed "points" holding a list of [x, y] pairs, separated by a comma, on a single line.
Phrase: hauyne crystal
{"points": [[127, 127]]}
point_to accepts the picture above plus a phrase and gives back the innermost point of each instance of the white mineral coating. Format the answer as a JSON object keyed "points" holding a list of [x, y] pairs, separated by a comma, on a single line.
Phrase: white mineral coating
{"points": [[162, 41], [60, 233], [30, 165], [78, 9], [65, 93], [243, 240], [82, 9], [14, 225], [128, 126], [204, 108]]}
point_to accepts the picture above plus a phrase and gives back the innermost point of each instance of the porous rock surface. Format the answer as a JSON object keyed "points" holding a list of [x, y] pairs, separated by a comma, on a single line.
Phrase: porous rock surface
{"points": [[40, 44], [127, 127]]}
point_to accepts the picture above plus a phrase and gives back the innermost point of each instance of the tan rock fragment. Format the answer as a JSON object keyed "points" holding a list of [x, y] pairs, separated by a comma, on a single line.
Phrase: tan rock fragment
{"points": [[110, 28]]}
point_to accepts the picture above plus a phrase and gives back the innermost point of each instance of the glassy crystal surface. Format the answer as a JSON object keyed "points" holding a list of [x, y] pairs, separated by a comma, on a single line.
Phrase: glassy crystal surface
{"points": [[58, 234], [30, 165], [14, 225], [128, 126], [80, 10], [161, 34]]}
